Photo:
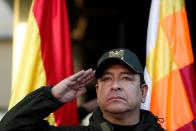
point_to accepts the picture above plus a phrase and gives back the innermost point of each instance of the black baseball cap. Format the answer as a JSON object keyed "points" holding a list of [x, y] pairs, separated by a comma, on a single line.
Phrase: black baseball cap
{"points": [[119, 55]]}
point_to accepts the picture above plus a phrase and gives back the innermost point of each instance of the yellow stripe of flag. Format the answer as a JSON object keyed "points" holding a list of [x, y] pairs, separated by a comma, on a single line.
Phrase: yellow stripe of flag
{"points": [[30, 73]]}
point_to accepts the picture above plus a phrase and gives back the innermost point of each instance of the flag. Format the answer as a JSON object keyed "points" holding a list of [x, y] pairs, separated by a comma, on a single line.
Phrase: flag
{"points": [[46, 56], [169, 70]]}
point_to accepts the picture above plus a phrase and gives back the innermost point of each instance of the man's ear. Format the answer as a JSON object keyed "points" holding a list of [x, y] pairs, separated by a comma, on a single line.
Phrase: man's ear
{"points": [[96, 86], [144, 89]]}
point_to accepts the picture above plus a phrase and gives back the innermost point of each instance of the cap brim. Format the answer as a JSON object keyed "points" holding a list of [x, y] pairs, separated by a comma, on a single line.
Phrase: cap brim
{"points": [[106, 63]]}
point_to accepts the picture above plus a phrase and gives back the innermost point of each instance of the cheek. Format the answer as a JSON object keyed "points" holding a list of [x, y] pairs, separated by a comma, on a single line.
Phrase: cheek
{"points": [[103, 89], [101, 94], [133, 94]]}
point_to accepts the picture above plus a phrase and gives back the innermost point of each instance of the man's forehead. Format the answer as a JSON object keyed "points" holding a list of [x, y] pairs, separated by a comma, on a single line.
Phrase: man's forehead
{"points": [[119, 68], [120, 73]]}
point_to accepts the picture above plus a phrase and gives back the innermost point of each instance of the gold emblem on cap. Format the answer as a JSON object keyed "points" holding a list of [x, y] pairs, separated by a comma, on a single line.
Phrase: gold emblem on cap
{"points": [[118, 54]]}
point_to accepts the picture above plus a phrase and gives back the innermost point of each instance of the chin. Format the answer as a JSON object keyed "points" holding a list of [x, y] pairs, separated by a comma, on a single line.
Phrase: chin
{"points": [[116, 108]]}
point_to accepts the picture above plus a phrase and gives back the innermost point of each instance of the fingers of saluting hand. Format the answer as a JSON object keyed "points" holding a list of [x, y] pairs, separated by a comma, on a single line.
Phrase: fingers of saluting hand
{"points": [[73, 86], [87, 77], [82, 78], [77, 75]]}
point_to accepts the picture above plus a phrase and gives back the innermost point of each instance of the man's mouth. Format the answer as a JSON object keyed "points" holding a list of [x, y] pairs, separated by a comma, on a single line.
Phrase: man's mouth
{"points": [[115, 98]]}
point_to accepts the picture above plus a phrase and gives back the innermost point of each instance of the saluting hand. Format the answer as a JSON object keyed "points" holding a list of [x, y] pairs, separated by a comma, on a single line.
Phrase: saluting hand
{"points": [[73, 86]]}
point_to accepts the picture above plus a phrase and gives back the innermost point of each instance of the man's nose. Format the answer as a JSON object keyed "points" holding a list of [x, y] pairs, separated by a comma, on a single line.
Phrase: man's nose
{"points": [[116, 86]]}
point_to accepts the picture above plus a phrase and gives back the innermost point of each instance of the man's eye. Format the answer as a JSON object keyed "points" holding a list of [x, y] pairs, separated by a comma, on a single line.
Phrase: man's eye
{"points": [[127, 78], [106, 79]]}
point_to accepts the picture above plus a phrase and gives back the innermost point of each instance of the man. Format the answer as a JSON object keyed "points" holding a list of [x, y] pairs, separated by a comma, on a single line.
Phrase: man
{"points": [[120, 90]]}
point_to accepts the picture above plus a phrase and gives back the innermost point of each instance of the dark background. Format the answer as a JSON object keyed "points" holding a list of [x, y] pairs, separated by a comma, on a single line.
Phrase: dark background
{"points": [[113, 24]]}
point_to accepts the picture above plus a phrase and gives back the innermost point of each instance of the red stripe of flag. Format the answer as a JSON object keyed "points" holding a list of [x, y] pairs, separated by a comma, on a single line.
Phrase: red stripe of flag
{"points": [[52, 19], [188, 75]]}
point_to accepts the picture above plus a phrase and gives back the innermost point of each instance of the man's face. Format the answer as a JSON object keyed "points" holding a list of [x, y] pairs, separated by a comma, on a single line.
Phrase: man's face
{"points": [[118, 90]]}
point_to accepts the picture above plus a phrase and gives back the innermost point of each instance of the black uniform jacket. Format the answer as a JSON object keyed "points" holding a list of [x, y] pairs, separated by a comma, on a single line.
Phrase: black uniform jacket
{"points": [[29, 114]]}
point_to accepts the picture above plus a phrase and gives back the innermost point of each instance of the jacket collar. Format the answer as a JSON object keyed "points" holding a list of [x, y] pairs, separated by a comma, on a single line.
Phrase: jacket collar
{"points": [[98, 122], [147, 122]]}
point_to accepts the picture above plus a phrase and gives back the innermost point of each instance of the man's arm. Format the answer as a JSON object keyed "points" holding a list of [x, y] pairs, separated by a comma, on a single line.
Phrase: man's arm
{"points": [[29, 113]]}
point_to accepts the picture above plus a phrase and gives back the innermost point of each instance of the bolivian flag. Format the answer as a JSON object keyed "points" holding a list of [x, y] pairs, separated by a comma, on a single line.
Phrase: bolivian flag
{"points": [[170, 69], [46, 56]]}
